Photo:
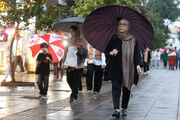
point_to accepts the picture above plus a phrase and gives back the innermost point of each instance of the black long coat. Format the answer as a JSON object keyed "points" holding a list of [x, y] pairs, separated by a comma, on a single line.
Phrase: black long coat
{"points": [[114, 63]]}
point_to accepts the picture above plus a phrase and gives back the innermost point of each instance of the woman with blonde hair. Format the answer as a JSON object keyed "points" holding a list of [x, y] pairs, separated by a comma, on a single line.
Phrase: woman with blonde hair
{"points": [[124, 57]]}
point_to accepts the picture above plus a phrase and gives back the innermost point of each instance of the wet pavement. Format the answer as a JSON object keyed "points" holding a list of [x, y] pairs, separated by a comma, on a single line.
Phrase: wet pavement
{"points": [[157, 97]]}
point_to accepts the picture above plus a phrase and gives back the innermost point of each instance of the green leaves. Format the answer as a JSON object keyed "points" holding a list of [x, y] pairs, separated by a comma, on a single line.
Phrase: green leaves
{"points": [[15, 12], [47, 17], [178, 36], [84, 7], [21, 12], [160, 38], [157, 11], [168, 8]]}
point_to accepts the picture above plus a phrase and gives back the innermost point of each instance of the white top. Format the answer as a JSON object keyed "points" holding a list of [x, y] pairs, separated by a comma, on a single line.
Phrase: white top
{"points": [[153, 55], [172, 54], [157, 55]]}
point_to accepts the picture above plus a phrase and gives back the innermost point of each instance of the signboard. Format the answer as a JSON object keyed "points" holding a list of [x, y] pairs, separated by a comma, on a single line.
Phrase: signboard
{"points": [[2, 60]]}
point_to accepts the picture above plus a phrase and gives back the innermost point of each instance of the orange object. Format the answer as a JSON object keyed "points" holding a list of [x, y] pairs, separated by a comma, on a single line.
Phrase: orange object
{"points": [[59, 32], [172, 60]]}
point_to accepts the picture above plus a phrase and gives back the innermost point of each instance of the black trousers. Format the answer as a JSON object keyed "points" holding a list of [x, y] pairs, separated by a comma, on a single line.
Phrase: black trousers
{"points": [[97, 72], [18, 61], [146, 66], [116, 94], [73, 79], [165, 63], [43, 83], [80, 82]]}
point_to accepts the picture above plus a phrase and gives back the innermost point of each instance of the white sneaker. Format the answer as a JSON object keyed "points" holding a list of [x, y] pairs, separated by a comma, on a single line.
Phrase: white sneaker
{"points": [[148, 72], [95, 92], [145, 73], [89, 91], [44, 97], [73, 100], [80, 91]]}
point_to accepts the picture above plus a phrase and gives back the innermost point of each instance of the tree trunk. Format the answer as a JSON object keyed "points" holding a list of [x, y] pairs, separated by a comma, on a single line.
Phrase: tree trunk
{"points": [[12, 69], [36, 24]]}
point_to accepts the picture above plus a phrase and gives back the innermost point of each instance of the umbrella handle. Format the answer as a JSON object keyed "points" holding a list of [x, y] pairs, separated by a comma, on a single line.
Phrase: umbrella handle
{"points": [[117, 50]]}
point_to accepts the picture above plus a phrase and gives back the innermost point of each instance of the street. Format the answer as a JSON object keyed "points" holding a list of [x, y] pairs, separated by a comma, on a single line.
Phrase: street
{"points": [[43, 40], [156, 97]]}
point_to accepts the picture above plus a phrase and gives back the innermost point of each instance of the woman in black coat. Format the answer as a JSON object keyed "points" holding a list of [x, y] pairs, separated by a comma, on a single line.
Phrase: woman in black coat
{"points": [[123, 59]]}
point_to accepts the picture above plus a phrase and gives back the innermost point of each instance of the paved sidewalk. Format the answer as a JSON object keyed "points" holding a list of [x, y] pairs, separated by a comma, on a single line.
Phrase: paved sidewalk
{"points": [[156, 97]]}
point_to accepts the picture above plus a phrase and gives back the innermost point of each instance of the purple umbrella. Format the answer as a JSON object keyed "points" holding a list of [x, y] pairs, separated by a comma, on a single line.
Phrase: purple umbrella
{"points": [[101, 25]]}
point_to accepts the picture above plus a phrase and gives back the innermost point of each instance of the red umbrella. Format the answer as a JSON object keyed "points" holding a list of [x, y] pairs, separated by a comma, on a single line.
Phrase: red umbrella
{"points": [[55, 42], [161, 50]]}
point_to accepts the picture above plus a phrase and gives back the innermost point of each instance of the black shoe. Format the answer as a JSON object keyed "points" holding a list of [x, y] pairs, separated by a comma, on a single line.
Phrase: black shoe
{"points": [[116, 114], [124, 112], [40, 96], [72, 100]]}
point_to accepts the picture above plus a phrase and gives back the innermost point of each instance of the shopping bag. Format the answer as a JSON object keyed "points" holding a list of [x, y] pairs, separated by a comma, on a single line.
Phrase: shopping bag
{"points": [[71, 58]]}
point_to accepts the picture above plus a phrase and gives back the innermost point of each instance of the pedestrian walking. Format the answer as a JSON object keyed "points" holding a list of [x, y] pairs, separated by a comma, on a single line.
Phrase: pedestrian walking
{"points": [[119, 32], [172, 59], [74, 74], [157, 58], [164, 57], [153, 64], [178, 57], [176, 51], [18, 48], [44, 60], [7, 48], [95, 65], [146, 60], [124, 59]]}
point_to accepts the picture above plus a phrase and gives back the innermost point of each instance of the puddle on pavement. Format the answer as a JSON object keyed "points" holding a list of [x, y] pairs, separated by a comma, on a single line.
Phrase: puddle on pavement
{"points": [[62, 90], [30, 97]]}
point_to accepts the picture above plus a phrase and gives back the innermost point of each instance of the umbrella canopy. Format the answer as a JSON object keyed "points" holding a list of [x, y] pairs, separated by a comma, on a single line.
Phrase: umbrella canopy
{"points": [[102, 24], [161, 50], [56, 45], [64, 24]]}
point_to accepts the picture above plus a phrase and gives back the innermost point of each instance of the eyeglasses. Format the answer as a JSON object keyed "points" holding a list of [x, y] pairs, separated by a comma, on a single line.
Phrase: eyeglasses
{"points": [[123, 24]]}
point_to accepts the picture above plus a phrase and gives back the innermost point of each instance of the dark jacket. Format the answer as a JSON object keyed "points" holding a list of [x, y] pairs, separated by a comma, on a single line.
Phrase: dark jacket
{"points": [[178, 55], [164, 57], [81, 55], [114, 63]]}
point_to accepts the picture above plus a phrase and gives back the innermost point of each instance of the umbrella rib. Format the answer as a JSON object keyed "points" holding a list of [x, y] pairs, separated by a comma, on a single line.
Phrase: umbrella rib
{"points": [[137, 32], [108, 39], [98, 18], [60, 43], [146, 33], [100, 24], [50, 48], [102, 37], [99, 28]]}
